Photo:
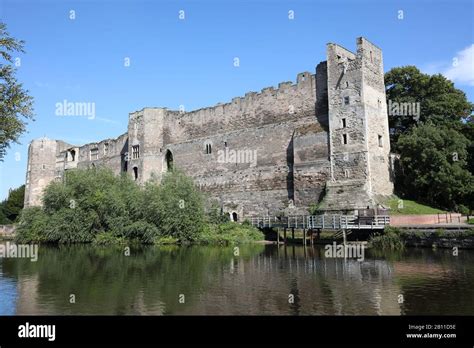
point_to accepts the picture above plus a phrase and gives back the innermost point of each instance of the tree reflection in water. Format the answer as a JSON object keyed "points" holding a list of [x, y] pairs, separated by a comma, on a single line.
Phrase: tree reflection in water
{"points": [[260, 280]]}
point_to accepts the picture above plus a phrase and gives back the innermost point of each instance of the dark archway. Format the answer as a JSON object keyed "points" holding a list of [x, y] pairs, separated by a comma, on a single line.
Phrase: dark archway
{"points": [[169, 160], [135, 173], [235, 217]]}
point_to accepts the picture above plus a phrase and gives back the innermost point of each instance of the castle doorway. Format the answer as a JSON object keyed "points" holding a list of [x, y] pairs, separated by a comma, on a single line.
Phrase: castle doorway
{"points": [[135, 173], [169, 160], [235, 217]]}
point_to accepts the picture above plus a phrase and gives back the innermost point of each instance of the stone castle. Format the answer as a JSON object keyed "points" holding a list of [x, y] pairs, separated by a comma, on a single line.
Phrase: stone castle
{"points": [[323, 139]]}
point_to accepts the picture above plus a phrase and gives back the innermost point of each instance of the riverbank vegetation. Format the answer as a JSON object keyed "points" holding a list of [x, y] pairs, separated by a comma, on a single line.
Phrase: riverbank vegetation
{"points": [[409, 207], [390, 239], [95, 206], [394, 238]]}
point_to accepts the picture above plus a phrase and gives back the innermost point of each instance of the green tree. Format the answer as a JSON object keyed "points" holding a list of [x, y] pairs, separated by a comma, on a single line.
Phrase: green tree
{"points": [[14, 203], [16, 106], [11, 207], [3, 218], [177, 207], [435, 145], [440, 102], [433, 166]]}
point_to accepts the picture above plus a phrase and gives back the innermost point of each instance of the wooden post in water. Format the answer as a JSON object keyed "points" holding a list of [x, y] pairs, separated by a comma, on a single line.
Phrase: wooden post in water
{"points": [[293, 234], [284, 235], [278, 236], [304, 237]]}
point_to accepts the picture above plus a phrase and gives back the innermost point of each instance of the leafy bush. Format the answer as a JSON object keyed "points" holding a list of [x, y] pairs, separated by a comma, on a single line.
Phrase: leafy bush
{"points": [[107, 238], [160, 240], [177, 207], [230, 233], [143, 231], [33, 223], [214, 213], [95, 206], [390, 240]]}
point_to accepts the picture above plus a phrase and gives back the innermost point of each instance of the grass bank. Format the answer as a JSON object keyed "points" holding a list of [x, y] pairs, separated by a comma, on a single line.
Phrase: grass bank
{"points": [[408, 207]]}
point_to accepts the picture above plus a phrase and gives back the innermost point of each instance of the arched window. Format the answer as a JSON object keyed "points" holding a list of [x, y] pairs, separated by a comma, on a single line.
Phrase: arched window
{"points": [[169, 160], [135, 173], [235, 217]]}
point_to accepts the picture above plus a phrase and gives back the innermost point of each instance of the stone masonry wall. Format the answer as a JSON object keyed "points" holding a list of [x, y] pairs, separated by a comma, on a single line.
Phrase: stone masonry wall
{"points": [[275, 151]]}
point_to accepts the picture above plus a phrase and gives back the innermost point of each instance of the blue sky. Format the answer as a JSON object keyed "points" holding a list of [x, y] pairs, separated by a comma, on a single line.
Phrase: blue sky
{"points": [[190, 62]]}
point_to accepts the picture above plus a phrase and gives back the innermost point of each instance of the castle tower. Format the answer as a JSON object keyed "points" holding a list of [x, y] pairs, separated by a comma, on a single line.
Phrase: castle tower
{"points": [[146, 154], [41, 169], [358, 127], [47, 161]]}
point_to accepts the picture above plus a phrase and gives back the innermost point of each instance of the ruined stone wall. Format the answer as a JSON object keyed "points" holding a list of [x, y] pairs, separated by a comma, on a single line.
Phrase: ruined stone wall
{"points": [[378, 139], [358, 123], [146, 130], [110, 154], [258, 130], [270, 152], [41, 170]]}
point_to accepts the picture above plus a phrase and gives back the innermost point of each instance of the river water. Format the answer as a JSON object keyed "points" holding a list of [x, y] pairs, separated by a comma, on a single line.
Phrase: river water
{"points": [[250, 280]]}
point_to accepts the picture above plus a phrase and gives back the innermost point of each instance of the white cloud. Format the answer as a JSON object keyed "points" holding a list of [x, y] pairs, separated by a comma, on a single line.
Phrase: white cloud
{"points": [[462, 67], [459, 70]]}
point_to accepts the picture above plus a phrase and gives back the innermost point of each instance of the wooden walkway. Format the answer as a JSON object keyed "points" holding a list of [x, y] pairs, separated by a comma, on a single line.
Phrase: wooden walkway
{"points": [[323, 222], [312, 225]]}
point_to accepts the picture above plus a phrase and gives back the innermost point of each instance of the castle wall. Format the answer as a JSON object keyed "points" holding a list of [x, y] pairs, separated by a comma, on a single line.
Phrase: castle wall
{"points": [[146, 130], [110, 154], [259, 130], [270, 152], [286, 103]]}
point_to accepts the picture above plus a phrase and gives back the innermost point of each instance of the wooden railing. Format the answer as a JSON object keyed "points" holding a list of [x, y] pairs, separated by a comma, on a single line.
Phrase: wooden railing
{"points": [[324, 222]]}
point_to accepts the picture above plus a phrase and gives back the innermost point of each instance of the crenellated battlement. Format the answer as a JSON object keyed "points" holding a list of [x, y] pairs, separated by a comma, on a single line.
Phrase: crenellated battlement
{"points": [[251, 99]]}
